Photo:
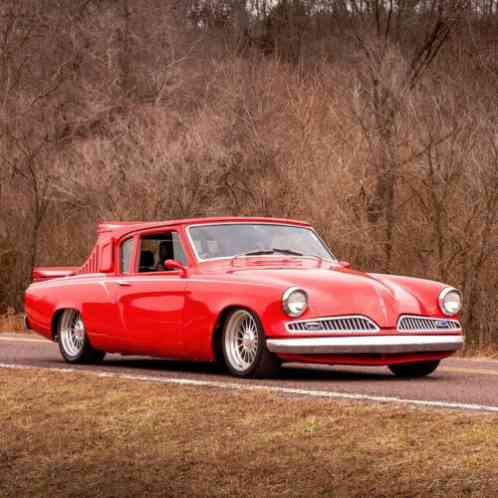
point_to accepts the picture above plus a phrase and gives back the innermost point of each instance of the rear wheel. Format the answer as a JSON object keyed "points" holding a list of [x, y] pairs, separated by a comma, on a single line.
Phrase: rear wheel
{"points": [[244, 346], [414, 370], [73, 340]]}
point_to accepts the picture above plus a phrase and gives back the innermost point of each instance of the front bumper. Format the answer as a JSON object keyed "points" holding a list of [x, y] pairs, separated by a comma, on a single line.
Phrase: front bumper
{"points": [[366, 345]]}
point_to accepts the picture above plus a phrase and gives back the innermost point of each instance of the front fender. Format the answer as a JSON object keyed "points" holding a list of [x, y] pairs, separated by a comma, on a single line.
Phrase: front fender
{"points": [[208, 299]]}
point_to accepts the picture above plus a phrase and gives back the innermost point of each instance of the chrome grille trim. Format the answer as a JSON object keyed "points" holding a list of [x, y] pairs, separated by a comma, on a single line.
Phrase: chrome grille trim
{"points": [[351, 324], [415, 324]]}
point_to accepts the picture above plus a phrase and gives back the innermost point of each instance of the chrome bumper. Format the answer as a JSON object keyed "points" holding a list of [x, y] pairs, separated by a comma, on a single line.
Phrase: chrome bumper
{"points": [[366, 345]]}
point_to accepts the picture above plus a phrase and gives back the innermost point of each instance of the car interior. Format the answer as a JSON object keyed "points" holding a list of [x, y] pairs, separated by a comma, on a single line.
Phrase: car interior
{"points": [[156, 249]]}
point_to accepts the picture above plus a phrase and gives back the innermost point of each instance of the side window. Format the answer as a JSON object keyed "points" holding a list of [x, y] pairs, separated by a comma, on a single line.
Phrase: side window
{"points": [[157, 248], [125, 256]]}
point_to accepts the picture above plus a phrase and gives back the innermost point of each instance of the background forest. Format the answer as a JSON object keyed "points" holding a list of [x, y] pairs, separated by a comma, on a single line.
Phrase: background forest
{"points": [[375, 120]]}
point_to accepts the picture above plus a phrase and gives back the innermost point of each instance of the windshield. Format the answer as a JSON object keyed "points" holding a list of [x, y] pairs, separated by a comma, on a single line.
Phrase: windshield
{"points": [[238, 239]]}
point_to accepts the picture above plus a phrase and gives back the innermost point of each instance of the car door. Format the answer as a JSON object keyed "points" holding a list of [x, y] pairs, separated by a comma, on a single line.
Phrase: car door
{"points": [[151, 300]]}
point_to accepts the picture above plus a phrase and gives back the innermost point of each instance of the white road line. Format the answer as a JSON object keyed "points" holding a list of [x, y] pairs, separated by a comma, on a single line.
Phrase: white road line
{"points": [[273, 389], [22, 339]]}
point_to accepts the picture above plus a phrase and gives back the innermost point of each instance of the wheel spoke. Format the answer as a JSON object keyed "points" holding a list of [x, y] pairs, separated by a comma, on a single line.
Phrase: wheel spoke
{"points": [[241, 338], [72, 333]]}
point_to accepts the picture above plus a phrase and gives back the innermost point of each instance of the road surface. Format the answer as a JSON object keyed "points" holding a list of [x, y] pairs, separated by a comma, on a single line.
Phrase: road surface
{"points": [[458, 383]]}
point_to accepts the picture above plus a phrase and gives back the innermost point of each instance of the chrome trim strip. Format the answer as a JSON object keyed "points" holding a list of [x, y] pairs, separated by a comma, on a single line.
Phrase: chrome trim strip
{"points": [[69, 279], [412, 321], [201, 260], [375, 328], [153, 278], [369, 345]]}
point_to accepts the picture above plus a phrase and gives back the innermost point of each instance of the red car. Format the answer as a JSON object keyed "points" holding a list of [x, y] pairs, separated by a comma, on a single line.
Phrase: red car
{"points": [[249, 292]]}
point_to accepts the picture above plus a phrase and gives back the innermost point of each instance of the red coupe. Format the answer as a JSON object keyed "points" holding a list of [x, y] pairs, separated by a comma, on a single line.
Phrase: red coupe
{"points": [[249, 292]]}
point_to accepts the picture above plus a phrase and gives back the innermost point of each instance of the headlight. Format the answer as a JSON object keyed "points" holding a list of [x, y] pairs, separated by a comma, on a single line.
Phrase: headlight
{"points": [[450, 301], [295, 301]]}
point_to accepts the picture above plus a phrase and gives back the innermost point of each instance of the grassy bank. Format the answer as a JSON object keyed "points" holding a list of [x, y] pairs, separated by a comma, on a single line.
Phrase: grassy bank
{"points": [[72, 435], [11, 322]]}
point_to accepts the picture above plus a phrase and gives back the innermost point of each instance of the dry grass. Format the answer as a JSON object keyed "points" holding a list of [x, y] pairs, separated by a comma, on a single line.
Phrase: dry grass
{"points": [[489, 352], [72, 435], [11, 322]]}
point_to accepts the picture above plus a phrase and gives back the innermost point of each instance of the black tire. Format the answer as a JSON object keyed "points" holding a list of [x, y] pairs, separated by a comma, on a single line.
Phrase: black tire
{"points": [[75, 350], [414, 370], [262, 362]]}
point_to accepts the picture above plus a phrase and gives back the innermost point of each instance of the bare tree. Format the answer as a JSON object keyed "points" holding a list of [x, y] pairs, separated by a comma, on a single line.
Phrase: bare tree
{"points": [[374, 120], [387, 77]]}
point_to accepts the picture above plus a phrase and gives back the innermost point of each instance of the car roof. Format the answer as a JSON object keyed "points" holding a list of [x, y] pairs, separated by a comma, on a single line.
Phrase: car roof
{"points": [[119, 228]]}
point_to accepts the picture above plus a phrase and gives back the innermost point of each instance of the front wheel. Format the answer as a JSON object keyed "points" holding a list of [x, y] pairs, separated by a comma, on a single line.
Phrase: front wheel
{"points": [[244, 346], [420, 369], [73, 340]]}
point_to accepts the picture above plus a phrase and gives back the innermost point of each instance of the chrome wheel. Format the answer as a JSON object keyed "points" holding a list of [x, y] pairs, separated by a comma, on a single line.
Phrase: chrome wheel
{"points": [[241, 340], [72, 333]]}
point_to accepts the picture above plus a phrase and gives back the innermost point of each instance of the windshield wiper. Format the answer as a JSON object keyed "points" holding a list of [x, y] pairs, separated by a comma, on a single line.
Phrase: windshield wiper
{"points": [[274, 250], [256, 253], [288, 251]]}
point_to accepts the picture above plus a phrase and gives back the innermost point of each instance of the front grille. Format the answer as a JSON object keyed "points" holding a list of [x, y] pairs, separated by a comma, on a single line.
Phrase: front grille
{"points": [[423, 324], [339, 324]]}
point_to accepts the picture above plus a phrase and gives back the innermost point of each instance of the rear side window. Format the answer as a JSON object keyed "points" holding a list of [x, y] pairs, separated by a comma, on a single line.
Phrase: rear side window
{"points": [[125, 256]]}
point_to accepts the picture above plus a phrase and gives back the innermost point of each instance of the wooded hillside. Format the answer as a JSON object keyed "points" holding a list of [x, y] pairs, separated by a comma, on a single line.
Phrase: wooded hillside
{"points": [[375, 120]]}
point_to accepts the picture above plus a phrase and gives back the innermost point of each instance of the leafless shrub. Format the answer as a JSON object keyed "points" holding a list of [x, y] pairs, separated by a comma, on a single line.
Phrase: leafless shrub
{"points": [[375, 121]]}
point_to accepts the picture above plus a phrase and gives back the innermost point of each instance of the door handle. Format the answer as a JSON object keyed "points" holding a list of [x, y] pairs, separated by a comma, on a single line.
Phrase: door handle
{"points": [[123, 283]]}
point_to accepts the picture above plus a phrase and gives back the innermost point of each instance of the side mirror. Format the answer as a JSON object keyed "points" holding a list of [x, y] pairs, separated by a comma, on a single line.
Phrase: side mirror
{"points": [[173, 264], [344, 264]]}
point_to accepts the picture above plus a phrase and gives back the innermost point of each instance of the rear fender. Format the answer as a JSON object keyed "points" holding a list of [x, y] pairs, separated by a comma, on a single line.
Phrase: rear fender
{"points": [[57, 315]]}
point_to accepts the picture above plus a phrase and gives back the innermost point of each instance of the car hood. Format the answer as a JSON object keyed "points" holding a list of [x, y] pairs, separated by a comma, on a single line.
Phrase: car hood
{"points": [[334, 290]]}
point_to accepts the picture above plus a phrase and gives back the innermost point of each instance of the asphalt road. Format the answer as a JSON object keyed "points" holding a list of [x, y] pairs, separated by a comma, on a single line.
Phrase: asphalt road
{"points": [[456, 383]]}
